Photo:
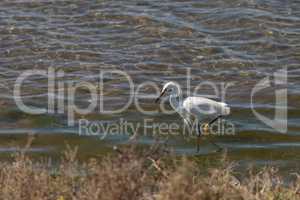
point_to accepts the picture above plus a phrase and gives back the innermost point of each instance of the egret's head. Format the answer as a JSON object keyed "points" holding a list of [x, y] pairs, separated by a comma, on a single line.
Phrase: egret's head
{"points": [[170, 89]]}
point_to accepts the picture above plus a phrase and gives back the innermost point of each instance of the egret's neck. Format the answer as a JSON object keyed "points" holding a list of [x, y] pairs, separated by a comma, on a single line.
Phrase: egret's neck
{"points": [[176, 102]]}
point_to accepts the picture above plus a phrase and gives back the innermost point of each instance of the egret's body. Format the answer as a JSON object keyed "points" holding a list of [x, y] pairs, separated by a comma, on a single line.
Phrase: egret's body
{"points": [[198, 107], [201, 107]]}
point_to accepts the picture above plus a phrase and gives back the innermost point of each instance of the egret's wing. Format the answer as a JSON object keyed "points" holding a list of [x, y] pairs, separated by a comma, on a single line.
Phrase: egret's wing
{"points": [[214, 98], [203, 107]]}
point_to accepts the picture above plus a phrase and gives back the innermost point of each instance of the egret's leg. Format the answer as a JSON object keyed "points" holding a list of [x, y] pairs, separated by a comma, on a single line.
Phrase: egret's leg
{"points": [[219, 149], [217, 146], [198, 137], [212, 121]]}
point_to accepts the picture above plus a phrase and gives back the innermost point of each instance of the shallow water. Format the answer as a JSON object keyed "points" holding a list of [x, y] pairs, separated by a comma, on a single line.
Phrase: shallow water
{"points": [[238, 42]]}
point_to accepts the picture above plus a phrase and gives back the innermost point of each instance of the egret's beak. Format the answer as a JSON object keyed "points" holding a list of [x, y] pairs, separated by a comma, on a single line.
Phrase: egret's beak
{"points": [[161, 94]]}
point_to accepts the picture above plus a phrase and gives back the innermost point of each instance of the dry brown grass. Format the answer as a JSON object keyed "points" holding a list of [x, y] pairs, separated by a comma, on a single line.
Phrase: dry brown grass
{"points": [[136, 174]]}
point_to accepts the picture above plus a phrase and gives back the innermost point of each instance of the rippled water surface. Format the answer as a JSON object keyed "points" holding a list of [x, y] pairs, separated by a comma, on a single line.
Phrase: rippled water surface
{"points": [[239, 42]]}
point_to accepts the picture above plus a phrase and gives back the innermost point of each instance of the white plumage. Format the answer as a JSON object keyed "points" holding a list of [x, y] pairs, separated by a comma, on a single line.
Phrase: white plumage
{"points": [[200, 106]]}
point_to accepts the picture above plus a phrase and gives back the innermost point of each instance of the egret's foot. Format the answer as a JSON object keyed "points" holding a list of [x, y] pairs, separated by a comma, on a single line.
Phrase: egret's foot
{"points": [[205, 129], [219, 150]]}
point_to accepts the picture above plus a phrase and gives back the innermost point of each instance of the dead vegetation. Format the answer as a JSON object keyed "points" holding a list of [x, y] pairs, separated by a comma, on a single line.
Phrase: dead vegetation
{"points": [[132, 173]]}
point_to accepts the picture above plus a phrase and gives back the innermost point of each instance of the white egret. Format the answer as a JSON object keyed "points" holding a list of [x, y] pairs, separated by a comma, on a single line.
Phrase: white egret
{"points": [[198, 107]]}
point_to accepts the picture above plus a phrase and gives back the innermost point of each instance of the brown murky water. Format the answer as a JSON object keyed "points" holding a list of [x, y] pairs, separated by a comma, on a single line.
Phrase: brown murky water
{"points": [[239, 42]]}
